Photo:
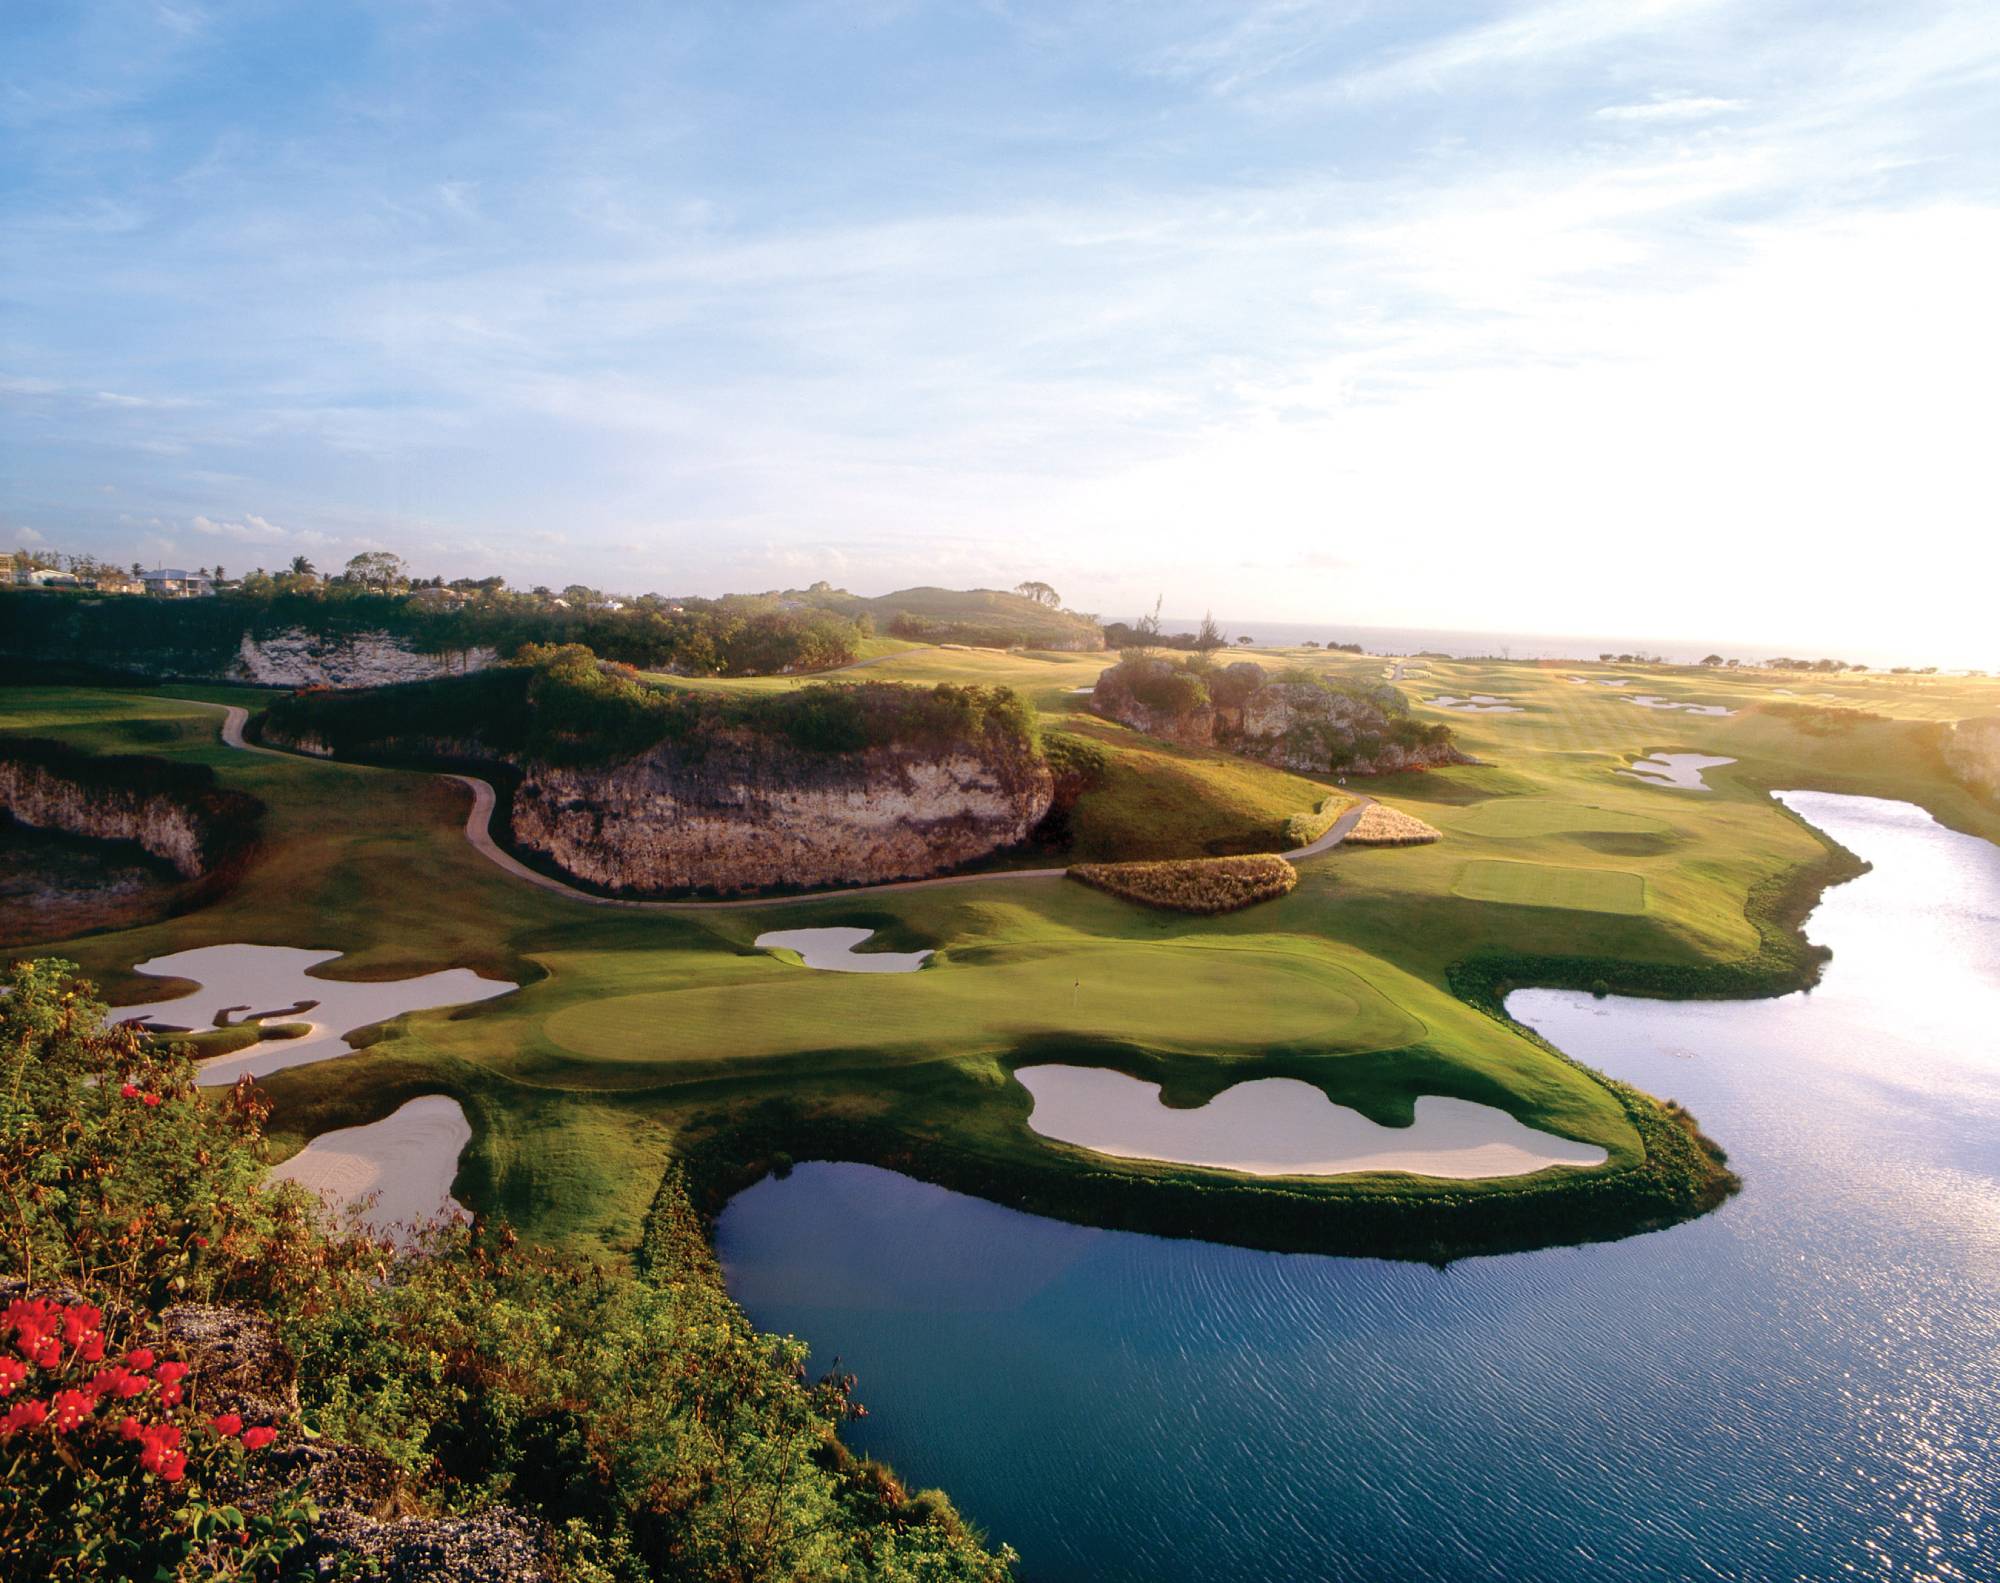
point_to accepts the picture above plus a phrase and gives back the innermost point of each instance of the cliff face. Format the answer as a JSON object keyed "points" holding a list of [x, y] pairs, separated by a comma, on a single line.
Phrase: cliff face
{"points": [[1972, 750], [46, 800], [1300, 726], [743, 812], [297, 658], [1295, 725]]}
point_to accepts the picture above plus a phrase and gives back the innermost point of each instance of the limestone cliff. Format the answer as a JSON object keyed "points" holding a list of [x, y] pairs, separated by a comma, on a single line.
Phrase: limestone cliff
{"points": [[174, 811], [1972, 750], [1302, 723], [745, 813], [634, 787], [298, 658]]}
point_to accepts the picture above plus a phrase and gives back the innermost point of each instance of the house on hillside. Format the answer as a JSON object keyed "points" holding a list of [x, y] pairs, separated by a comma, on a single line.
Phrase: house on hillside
{"points": [[117, 583], [170, 582]]}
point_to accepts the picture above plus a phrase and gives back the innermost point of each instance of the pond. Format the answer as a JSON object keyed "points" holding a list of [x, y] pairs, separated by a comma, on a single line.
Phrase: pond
{"points": [[1805, 1384]]}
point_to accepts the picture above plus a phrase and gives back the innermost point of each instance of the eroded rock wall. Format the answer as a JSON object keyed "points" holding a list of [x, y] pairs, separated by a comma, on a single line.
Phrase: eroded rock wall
{"points": [[44, 799], [1294, 725], [298, 658], [1972, 750], [740, 812]]}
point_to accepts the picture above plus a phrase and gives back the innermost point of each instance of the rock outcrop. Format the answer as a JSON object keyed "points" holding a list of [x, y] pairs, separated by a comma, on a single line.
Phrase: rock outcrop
{"points": [[743, 812], [1299, 723], [173, 811], [1972, 751], [298, 658], [366, 1522]]}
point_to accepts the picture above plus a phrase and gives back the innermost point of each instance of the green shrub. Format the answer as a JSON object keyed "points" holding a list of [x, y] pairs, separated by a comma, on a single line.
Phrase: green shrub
{"points": [[638, 1412]]}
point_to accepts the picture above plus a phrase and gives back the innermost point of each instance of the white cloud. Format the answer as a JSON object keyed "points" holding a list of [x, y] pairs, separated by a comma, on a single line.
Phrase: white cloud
{"points": [[1690, 108]]}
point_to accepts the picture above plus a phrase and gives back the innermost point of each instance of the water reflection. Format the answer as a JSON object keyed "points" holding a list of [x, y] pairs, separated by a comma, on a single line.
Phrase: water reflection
{"points": [[1804, 1385]]}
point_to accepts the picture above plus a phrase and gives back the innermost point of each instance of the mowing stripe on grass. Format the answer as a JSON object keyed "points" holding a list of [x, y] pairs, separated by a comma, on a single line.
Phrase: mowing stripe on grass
{"points": [[1549, 885]]}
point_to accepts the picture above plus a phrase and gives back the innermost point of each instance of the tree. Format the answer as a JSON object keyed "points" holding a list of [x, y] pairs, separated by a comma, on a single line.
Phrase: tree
{"points": [[1148, 627], [301, 567], [378, 571], [1210, 637], [1041, 593], [1711, 659], [1246, 639]]}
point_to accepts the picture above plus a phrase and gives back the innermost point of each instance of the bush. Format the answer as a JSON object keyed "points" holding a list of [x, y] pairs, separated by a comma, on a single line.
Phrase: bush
{"points": [[564, 705], [637, 1412], [1198, 885]]}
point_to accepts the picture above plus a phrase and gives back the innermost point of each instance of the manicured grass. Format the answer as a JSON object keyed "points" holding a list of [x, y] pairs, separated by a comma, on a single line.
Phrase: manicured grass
{"points": [[1511, 818], [642, 1036], [1546, 885]]}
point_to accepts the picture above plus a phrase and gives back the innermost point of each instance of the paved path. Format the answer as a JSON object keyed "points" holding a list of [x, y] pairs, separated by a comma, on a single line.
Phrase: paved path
{"points": [[479, 831]]}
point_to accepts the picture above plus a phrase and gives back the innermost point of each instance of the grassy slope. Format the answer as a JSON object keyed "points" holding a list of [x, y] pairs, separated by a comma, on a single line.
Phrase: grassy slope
{"points": [[642, 1033]]}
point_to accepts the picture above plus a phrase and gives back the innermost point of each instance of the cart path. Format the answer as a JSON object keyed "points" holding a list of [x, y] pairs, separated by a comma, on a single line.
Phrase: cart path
{"points": [[479, 831]]}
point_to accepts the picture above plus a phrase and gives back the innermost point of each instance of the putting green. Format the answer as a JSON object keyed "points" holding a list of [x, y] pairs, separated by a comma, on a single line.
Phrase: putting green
{"points": [[1548, 885], [1190, 995], [1534, 816]]}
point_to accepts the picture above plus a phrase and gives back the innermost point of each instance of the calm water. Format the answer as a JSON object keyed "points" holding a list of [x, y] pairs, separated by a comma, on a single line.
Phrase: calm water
{"points": [[1805, 1385]]}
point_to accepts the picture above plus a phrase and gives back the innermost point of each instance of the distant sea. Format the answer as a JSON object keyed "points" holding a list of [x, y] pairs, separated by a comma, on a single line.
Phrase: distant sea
{"points": [[1544, 646]]}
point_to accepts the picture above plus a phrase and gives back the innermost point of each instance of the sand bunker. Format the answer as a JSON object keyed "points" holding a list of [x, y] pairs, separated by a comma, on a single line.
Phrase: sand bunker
{"points": [[1684, 770], [1477, 703], [1652, 701], [234, 976], [405, 1161], [1277, 1126], [835, 951]]}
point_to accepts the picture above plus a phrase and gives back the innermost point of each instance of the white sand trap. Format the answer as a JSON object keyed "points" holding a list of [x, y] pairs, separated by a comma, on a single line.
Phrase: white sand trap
{"points": [[1577, 681], [1684, 770], [1477, 703], [1277, 1126], [1612, 681], [405, 1161], [268, 977], [1654, 701], [833, 950]]}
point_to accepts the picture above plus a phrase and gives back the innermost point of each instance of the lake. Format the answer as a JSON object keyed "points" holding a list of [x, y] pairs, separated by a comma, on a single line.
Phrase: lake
{"points": [[1805, 1384]]}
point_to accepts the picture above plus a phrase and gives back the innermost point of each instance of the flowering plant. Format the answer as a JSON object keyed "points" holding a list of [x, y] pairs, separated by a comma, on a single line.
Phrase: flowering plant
{"points": [[108, 1469]]}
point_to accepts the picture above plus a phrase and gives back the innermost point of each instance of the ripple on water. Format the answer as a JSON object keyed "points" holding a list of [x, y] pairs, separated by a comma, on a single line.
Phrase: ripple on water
{"points": [[1803, 1385]]}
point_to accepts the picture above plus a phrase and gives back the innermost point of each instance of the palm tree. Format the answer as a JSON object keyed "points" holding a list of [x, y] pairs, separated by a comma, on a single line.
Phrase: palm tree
{"points": [[301, 567]]}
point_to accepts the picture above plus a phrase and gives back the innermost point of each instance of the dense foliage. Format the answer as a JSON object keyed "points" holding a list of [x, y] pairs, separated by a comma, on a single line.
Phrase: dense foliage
{"points": [[736, 636], [978, 617], [561, 705], [634, 1411], [1197, 885]]}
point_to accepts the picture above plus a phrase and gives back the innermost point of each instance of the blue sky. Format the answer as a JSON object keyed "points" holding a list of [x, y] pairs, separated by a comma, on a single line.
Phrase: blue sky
{"points": [[1661, 316]]}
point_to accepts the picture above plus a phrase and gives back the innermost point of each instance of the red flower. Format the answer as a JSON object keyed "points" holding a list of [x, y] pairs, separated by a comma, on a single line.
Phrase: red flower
{"points": [[28, 1339], [151, 1100], [80, 1322], [22, 1415], [170, 1396], [199, 1240], [167, 1373], [172, 1466], [228, 1423], [129, 1091], [91, 1350], [128, 1428], [158, 1445], [141, 1358], [258, 1438], [12, 1372], [72, 1407], [48, 1352]]}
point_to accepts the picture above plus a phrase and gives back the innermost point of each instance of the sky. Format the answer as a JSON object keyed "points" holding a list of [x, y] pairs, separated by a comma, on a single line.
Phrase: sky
{"points": [[1668, 317]]}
